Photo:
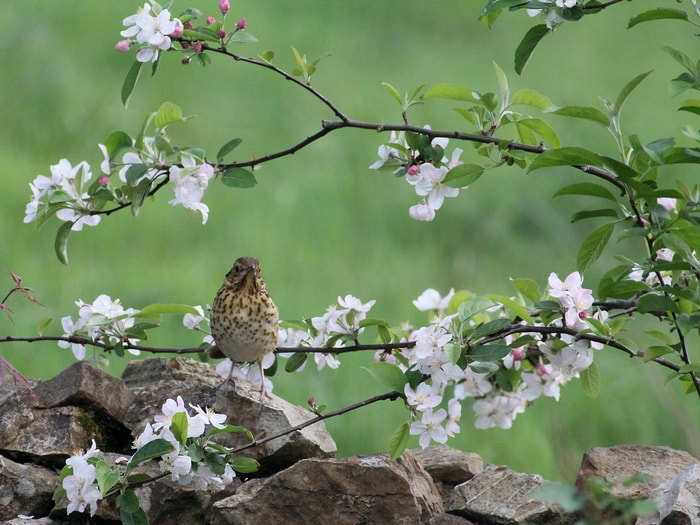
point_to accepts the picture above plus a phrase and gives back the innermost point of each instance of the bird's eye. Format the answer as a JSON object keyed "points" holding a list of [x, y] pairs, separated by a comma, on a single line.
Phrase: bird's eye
{"points": [[237, 269]]}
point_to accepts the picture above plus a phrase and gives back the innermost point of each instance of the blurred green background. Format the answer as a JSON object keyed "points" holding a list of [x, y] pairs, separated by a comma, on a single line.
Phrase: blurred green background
{"points": [[322, 224]]}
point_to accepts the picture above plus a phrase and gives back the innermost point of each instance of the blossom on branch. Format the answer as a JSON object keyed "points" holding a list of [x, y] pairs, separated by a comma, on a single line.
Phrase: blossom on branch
{"points": [[150, 28]]}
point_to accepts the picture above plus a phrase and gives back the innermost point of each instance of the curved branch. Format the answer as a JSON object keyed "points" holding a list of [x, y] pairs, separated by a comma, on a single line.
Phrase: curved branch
{"points": [[390, 396]]}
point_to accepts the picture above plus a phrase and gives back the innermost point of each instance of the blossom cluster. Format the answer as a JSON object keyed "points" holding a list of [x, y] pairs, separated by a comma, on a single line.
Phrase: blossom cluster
{"points": [[69, 193], [538, 368], [80, 476], [339, 325], [150, 29], [178, 462], [104, 320], [81, 484], [425, 171], [65, 193], [551, 11]]}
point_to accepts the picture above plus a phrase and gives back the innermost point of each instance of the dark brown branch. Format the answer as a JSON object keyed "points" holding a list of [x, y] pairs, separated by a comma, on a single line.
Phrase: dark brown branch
{"points": [[390, 396]]}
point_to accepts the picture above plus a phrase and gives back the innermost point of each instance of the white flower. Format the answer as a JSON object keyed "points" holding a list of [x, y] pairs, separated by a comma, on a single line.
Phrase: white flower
{"points": [[472, 384], [454, 414], [169, 409], [210, 417], [423, 397], [189, 184], [431, 186], [421, 212], [150, 31], [565, 3], [430, 428], [431, 299], [497, 411], [81, 489], [192, 321]]}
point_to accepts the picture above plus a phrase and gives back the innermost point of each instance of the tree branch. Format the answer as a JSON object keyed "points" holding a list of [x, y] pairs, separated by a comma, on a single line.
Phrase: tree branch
{"points": [[391, 396]]}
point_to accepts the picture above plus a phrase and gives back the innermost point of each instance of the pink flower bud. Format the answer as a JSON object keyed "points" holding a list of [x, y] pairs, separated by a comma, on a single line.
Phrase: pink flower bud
{"points": [[211, 20], [197, 47], [222, 34], [122, 46], [103, 180], [311, 401], [413, 169], [241, 24], [582, 315], [542, 370], [224, 6], [188, 25], [518, 354]]}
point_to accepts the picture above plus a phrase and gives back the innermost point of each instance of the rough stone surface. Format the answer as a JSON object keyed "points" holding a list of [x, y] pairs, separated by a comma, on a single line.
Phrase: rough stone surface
{"points": [[365, 489], [678, 500], [25, 489], [501, 496], [155, 380], [298, 483], [620, 463]]}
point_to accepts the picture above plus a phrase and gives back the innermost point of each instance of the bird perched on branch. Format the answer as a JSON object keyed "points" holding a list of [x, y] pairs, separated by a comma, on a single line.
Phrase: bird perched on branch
{"points": [[244, 318]]}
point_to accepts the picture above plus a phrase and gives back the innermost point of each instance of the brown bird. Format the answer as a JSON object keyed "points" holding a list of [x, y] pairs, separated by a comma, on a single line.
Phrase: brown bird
{"points": [[244, 318]]}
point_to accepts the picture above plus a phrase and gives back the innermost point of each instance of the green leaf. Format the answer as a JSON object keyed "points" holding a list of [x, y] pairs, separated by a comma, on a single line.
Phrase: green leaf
{"points": [[593, 246], [392, 91], [530, 97], [594, 214], [139, 195], [46, 321], [135, 172], [106, 476], [463, 175], [388, 375], [489, 328], [243, 37], [528, 287], [586, 188], [398, 441], [627, 89], [117, 141], [158, 309], [178, 426], [590, 380], [655, 351], [167, 114], [245, 465], [515, 307], [569, 156], [451, 92], [295, 362], [137, 517], [128, 501], [228, 148], [61, 242], [453, 352], [502, 84], [151, 450], [527, 46], [473, 306], [541, 128], [660, 13], [651, 302], [238, 178], [130, 82], [585, 113], [489, 353]]}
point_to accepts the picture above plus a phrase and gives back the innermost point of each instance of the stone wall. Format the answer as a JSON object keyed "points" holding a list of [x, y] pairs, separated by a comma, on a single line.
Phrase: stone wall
{"points": [[300, 481]]}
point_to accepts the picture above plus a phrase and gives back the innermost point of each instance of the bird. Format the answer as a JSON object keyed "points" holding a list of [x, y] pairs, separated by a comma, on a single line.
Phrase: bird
{"points": [[244, 319]]}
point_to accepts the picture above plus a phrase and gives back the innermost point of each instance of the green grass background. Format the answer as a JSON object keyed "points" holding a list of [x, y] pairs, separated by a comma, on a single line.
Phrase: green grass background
{"points": [[322, 224]]}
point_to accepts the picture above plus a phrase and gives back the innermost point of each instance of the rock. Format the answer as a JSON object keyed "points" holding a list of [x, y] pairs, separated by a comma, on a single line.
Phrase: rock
{"points": [[501, 496], [85, 385], [268, 417], [620, 463], [448, 464], [155, 380], [364, 489], [677, 500], [25, 489], [54, 434]]}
